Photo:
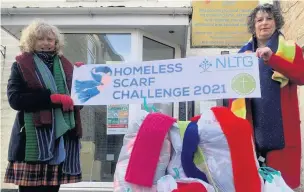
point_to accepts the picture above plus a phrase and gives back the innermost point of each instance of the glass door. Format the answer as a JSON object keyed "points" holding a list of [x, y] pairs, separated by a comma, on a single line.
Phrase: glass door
{"points": [[154, 48], [100, 150]]}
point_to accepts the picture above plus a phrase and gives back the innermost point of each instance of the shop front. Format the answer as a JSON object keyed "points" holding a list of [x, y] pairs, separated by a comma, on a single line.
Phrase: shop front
{"points": [[109, 35], [104, 32]]}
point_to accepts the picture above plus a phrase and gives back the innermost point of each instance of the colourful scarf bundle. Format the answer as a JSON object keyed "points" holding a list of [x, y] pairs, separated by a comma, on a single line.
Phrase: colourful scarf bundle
{"points": [[266, 111], [192, 156], [225, 141]]}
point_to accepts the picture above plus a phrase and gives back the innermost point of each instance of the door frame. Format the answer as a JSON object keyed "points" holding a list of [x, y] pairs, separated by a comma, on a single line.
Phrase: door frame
{"points": [[177, 55], [136, 55]]}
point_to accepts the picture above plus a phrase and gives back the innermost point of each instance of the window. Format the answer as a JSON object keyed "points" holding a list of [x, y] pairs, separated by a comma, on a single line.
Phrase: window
{"points": [[99, 152], [154, 50]]}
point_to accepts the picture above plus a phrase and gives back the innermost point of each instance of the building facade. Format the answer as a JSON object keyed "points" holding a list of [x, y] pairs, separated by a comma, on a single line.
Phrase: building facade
{"points": [[111, 32]]}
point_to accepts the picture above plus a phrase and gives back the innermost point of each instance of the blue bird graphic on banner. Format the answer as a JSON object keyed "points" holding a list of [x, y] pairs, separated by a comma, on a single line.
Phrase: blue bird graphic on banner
{"points": [[90, 88]]}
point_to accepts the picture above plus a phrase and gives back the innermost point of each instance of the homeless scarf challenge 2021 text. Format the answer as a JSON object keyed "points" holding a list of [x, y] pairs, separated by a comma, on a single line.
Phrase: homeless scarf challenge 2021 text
{"points": [[140, 87]]}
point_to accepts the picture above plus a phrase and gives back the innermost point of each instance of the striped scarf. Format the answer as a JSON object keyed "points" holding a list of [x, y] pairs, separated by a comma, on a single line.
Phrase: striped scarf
{"points": [[45, 144], [266, 111], [286, 50]]}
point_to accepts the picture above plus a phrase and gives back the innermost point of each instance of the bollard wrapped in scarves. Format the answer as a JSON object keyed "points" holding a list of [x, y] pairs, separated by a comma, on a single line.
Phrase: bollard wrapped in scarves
{"points": [[214, 152]]}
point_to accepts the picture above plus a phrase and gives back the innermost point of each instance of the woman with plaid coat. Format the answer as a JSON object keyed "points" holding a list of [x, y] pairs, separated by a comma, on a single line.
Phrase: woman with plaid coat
{"points": [[44, 149]]}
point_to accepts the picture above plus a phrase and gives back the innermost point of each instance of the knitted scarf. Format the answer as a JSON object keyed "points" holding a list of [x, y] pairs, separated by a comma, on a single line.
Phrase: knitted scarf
{"points": [[47, 57], [147, 149], [190, 145], [238, 133], [27, 68], [58, 151], [198, 156], [63, 121], [41, 133], [267, 115]]}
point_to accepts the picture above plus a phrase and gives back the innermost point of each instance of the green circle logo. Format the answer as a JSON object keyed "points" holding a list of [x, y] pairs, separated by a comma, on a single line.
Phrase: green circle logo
{"points": [[243, 84]]}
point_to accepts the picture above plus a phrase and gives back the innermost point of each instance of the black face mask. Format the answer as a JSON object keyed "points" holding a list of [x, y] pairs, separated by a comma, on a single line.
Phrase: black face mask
{"points": [[47, 57]]}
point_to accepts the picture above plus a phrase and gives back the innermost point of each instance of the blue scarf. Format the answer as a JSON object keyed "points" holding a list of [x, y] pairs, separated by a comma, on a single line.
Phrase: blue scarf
{"points": [[190, 144], [266, 111], [51, 143]]}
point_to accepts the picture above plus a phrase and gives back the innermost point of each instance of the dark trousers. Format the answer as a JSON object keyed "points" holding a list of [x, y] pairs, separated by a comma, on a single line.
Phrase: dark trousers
{"points": [[39, 189]]}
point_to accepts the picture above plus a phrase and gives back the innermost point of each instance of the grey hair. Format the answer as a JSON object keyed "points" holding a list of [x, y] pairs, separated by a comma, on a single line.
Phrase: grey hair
{"points": [[34, 30], [270, 9]]}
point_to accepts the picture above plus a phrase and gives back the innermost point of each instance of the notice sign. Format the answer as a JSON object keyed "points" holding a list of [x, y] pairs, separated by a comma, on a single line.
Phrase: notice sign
{"points": [[117, 119], [162, 81], [220, 23]]}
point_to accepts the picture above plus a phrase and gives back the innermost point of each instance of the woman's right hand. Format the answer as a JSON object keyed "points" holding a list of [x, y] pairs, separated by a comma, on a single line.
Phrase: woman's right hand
{"points": [[265, 53], [65, 100]]}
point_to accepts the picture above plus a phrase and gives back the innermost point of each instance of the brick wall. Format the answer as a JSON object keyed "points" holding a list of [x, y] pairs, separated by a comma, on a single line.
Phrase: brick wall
{"points": [[294, 17], [7, 114]]}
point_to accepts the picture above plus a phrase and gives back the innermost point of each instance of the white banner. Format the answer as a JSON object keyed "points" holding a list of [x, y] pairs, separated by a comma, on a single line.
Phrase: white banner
{"points": [[175, 80]]}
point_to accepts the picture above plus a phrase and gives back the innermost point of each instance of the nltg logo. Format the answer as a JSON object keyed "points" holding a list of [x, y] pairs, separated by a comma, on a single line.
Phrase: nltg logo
{"points": [[243, 84], [205, 65]]}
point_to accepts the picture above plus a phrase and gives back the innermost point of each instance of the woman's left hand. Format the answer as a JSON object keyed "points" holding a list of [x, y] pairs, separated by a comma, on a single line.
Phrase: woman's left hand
{"points": [[79, 63], [264, 53]]}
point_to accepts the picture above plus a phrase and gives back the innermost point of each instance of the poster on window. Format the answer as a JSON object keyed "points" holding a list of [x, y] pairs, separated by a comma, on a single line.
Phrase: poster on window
{"points": [[117, 119]]}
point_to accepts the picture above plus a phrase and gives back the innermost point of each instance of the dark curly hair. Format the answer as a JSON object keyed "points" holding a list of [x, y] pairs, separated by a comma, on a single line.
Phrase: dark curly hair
{"points": [[270, 9]]}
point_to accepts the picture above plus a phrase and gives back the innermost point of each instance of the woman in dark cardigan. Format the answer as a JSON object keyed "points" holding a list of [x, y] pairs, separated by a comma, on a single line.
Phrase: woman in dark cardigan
{"points": [[44, 149]]}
